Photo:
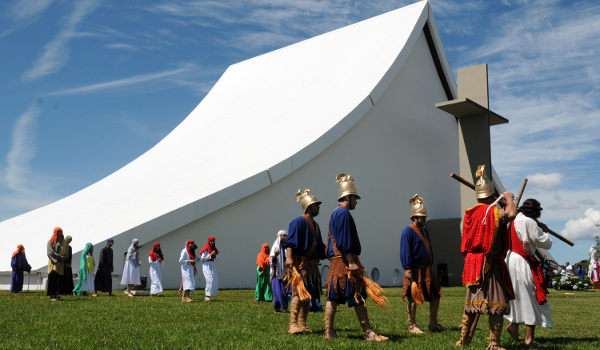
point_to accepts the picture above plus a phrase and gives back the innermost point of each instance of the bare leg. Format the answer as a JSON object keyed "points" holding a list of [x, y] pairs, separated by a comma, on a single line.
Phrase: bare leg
{"points": [[529, 334], [513, 330]]}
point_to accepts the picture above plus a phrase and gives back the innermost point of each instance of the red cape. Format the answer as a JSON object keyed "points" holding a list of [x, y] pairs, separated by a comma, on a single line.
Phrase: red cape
{"points": [[478, 235]]}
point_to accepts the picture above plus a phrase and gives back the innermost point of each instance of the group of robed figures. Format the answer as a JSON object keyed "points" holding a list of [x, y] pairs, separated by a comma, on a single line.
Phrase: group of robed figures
{"points": [[502, 272]]}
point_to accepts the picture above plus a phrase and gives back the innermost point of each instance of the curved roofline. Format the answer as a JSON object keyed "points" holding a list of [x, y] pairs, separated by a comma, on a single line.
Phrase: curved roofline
{"points": [[220, 199]]}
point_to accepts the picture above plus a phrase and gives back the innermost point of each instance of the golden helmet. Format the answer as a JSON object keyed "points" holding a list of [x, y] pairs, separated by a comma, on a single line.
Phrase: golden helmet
{"points": [[417, 206], [484, 187], [306, 198], [346, 186]]}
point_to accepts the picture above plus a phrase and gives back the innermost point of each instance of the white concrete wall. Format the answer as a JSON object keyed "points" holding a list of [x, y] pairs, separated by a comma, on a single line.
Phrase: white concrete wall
{"points": [[402, 146]]}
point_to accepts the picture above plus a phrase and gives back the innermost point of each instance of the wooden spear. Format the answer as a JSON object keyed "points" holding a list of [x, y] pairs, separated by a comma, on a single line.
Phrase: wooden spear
{"points": [[465, 182]]}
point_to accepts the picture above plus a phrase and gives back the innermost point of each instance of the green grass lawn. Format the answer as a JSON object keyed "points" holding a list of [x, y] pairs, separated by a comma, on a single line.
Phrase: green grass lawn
{"points": [[234, 321]]}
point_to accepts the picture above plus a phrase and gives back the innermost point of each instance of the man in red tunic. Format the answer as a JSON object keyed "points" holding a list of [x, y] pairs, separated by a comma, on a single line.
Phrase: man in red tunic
{"points": [[485, 241]]}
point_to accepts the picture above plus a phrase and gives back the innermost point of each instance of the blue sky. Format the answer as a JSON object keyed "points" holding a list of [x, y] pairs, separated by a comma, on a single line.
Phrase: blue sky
{"points": [[88, 85]]}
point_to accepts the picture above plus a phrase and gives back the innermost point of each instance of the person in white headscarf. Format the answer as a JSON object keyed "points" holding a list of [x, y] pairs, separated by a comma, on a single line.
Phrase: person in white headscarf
{"points": [[131, 269], [277, 256]]}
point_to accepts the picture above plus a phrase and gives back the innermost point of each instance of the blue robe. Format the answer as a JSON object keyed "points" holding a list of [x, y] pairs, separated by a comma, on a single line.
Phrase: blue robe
{"points": [[307, 242], [302, 239], [413, 252], [341, 289], [343, 229], [18, 264]]}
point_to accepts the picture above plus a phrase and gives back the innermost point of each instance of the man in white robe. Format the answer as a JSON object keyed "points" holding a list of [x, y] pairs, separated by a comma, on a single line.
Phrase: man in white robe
{"points": [[530, 306]]}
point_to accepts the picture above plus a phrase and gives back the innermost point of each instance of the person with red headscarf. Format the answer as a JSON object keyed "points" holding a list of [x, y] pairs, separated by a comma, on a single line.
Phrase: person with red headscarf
{"points": [[208, 254], [188, 261], [55, 264], [19, 264], [155, 259], [263, 285]]}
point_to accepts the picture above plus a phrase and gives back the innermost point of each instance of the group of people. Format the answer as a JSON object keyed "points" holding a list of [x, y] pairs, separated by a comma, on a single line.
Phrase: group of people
{"points": [[60, 273], [291, 267], [502, 271], [92, 279], [189, 259]]}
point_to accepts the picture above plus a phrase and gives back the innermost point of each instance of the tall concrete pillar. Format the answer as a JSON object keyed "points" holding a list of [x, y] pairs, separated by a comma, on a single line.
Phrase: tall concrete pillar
{"points": [[471, 109]]}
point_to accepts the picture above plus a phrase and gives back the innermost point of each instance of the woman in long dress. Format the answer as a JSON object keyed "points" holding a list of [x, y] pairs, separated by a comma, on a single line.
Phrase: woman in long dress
{"points": [[55, 264], [67, 253], [263, 285], [131, 269], [85, 284], [19, 264], [208, 254], [155, 260], [277, 256], [187, 261]]}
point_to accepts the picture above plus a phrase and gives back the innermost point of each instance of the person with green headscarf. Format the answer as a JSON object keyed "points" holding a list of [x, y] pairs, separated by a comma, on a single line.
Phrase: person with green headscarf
{"points": [[86, 271]]}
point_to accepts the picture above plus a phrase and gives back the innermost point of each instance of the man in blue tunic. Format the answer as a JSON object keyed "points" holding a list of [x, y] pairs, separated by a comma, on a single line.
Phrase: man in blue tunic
{"points": [[345, 284], [416, 256], [304, 250]]}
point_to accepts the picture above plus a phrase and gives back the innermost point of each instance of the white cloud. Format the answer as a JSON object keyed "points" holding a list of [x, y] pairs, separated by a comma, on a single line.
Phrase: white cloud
{"points": [[120, 83], [267, 24], [25, 9], [561, 205], [56, 52], [22, 151], [22, 13], [22, 188], [586, 227], [545, 78], [262, 40], [121, 46], [546, 181]]}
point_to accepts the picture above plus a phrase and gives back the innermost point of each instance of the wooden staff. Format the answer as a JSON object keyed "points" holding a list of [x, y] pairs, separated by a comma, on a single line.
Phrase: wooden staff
{"points": [[562, 238], [462, 180], [522, 189]]}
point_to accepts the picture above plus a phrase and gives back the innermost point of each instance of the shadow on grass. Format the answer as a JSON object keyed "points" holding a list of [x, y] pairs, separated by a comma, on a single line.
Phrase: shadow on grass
{"points": [[553, 343], [566, 340]]}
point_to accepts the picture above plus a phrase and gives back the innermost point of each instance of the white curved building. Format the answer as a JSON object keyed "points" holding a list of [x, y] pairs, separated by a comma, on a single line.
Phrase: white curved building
{"points": [[359, 99]]}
